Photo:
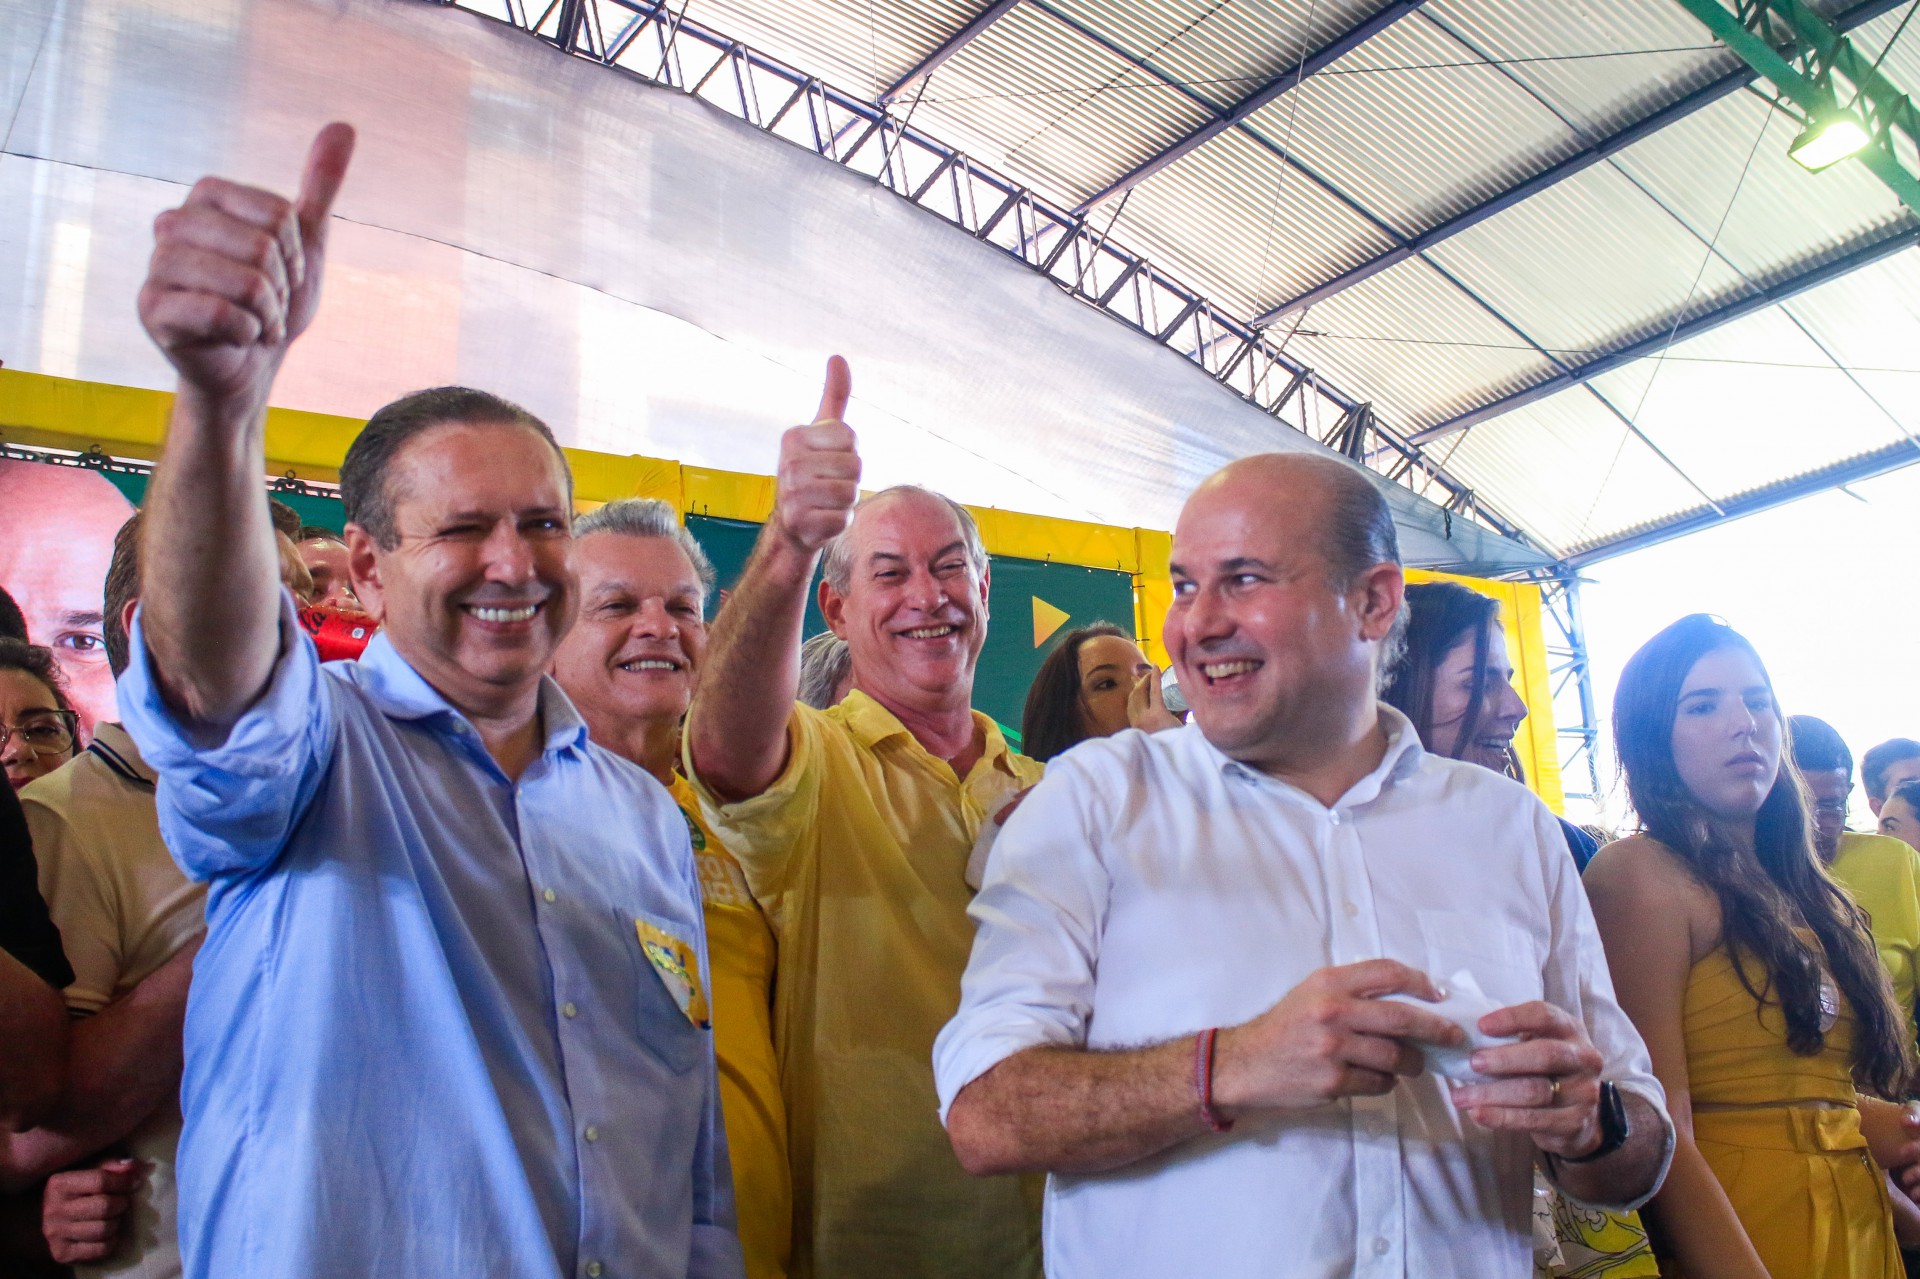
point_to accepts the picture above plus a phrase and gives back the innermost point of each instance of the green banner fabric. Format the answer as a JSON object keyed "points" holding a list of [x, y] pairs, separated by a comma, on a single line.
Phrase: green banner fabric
{"points": [[1033, 603], [320, 511]]}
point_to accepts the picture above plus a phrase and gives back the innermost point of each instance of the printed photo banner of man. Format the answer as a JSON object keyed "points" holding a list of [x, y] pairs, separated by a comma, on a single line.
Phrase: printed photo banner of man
{"points": [[57, 523], [1032, 603]]}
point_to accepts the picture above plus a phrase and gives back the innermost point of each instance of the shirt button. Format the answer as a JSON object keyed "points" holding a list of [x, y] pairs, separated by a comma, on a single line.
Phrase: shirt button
{"points": [[1350, 908], [593, 1270], [568, 1009], [548, 895], [1380, 1246], [1334, 817], [593, 1134]]}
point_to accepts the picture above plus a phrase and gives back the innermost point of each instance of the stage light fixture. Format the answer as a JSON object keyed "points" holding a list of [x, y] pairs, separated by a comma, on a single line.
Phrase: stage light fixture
{"points": [[1831, 136]]}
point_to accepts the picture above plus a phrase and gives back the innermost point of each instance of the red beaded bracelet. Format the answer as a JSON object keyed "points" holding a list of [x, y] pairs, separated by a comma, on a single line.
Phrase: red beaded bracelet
{"points": [[1203, 1081]]}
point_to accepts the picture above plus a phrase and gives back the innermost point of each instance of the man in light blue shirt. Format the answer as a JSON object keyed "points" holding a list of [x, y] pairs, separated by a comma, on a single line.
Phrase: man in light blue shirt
{"points": [[450, 1016]]}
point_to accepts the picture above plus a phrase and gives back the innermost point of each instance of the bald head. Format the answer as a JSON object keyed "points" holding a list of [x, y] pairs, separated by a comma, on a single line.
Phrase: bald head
{"points": [[1321, 500], [57, 525]]}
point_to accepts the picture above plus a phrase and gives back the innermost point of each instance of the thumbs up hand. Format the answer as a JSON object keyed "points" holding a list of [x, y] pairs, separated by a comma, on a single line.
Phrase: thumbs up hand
{"points": [[819, 479], [235, 275]]}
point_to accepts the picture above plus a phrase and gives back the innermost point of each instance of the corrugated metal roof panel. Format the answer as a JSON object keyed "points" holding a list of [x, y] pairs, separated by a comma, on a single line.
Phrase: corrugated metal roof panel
{"points": [[1569, 471], [1049, 107], [1780, 213], [1870, 322], [1224, 51], [1418, 347], [1601, 64], [853, 45], [1407, 126], [1741, 406], [1589, 265], [1234, 222]]}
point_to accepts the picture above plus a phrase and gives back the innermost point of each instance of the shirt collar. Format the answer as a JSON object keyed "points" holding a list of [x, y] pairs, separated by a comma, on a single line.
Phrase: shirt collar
{"points": [[401, 692], [871, 723], [1401, 759], [119, 748]]}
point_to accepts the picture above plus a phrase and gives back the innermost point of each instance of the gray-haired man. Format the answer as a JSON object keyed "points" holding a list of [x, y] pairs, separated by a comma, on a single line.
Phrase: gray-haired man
{"points": [[853, 826]]}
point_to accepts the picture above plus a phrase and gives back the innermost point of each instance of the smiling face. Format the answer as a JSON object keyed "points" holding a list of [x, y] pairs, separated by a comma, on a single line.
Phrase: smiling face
{"points": [[477, 590], [1727, 734], [1109, 665], [1272, 659], [1501, 709], [914, 614], [56, 538], [631, 659]]}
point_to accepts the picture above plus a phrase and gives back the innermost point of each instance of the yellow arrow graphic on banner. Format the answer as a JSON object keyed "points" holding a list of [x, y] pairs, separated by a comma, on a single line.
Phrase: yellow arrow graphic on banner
{"points": [[1046, 620]]}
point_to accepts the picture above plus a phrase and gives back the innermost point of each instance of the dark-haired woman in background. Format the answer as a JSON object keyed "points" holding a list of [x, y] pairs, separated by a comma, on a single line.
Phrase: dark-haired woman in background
{"points": [[1752, 978], [1094, 683], [37, 722], [1453, 679]]}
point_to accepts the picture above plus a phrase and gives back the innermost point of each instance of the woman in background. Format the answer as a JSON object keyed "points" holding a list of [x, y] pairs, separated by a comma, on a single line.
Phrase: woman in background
{"points": [[1454, 681], [1094, 683], [1752, 978], [36, 719]]}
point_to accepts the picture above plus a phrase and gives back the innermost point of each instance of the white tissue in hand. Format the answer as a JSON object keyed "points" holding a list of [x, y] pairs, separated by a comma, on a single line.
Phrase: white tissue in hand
{"points": [[1463, 1003]]}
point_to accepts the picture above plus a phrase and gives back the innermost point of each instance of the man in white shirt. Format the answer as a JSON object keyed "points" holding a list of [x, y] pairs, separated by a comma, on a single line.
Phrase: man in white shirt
{"points": [[1188, 933]]}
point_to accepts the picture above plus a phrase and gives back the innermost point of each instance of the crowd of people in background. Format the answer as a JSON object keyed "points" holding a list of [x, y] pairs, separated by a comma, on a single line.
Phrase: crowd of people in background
{"points": [[463, 890]]}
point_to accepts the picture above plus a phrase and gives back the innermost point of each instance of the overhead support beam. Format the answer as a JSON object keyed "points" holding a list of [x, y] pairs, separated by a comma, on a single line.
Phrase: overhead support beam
{"points": [[1808, 76], [1325, 56], [1602, 148], [946, 49], [572, 14], [1734, 309], [1893, 457]]}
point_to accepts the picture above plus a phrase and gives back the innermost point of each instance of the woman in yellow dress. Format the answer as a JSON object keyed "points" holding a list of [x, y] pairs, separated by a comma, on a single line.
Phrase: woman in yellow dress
{"points": [[1752, 978]]}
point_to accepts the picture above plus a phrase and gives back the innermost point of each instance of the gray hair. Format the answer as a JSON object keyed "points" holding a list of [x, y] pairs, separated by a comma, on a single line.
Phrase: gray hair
{"points": [[836, 564], [825, 663], [649, 517]]}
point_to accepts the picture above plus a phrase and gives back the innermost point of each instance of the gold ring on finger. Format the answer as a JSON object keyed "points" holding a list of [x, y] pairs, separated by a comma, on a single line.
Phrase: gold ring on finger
{"points": [[1553, 1092]]}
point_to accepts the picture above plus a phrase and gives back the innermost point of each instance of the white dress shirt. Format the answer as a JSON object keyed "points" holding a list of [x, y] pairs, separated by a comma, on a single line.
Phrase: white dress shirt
{"points": [[1151, 887]]}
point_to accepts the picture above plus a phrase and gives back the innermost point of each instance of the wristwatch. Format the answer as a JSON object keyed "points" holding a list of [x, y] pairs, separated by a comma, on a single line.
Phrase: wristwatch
{"points": [[1613, 1126]]}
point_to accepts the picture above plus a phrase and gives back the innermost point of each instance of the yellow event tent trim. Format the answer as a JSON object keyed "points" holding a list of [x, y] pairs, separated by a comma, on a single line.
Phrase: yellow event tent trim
{"points": [[123, 421]]}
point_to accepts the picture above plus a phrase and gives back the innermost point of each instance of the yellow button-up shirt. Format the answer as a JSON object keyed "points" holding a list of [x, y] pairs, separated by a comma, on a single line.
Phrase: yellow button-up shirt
{"points": [[1883, 875], [740, 962], [858, 854]]}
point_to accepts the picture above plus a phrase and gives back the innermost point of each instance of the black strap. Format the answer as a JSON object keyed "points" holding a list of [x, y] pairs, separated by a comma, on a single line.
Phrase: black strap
{"points": [[118, 763]]}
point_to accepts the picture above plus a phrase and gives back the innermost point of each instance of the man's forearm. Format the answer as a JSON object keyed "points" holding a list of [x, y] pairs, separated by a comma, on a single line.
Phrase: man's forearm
{"points": [[124, 1065], [33, 1026], [1628, 1173], [1069, 1110], [739, 725], [210, 581]]}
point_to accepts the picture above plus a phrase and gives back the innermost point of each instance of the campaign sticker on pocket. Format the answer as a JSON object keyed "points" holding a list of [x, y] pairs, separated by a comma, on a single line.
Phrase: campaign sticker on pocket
{"points": [[679, 968]]}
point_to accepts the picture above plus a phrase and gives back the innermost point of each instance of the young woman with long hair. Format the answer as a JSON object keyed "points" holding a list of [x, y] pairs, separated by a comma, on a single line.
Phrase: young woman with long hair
{"points": [[1751, 976], [1094, 683]]}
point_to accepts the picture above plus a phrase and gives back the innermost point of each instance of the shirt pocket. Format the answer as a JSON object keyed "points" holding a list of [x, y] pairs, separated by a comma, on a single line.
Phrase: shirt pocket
{"points": [[1500, 956], [671, 995]]}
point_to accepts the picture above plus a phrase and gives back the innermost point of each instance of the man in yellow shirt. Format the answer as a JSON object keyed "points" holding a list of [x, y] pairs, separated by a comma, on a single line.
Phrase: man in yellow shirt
{"points": [[1882, 873], [629, 664], [853, 826]]}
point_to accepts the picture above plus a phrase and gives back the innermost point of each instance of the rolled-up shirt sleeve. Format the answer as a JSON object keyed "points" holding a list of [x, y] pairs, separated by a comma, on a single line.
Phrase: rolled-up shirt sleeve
{"points": [[1038, 919], [227, 805], [1577, 980]]}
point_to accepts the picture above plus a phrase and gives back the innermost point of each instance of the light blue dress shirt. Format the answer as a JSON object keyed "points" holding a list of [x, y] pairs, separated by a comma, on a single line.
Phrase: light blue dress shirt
{"points": [[424, 1039]]}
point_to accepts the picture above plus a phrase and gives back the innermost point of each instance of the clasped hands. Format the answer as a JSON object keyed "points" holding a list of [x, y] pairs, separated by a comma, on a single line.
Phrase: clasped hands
{"points": [[1333, 1036]]}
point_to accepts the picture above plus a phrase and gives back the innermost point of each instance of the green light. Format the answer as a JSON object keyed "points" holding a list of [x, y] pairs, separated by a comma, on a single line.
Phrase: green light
{"points": [[1830, 137]]}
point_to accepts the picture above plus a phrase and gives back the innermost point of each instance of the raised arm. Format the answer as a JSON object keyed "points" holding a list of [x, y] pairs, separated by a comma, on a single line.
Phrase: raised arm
{"points": [[235, 278], [739, 720]]}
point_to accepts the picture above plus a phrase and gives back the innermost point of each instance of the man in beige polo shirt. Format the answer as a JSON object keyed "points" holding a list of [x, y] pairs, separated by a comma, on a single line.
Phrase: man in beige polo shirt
{"points": [[131, 923]]}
